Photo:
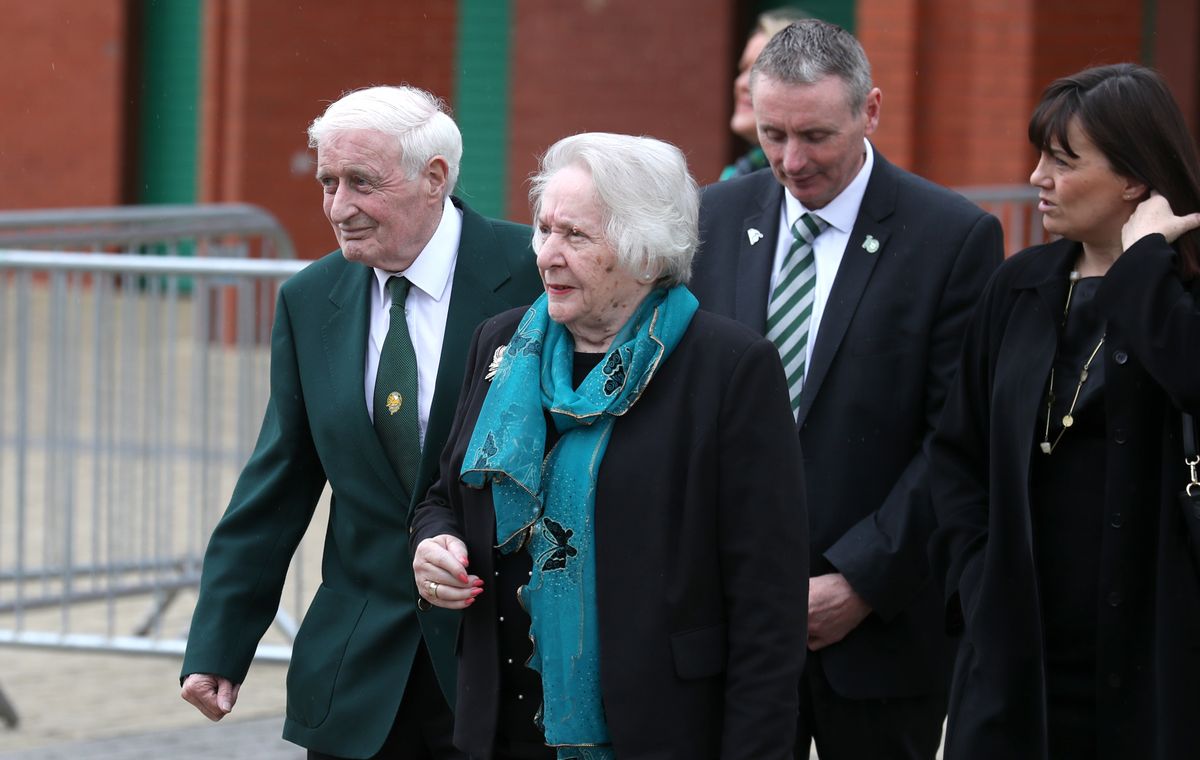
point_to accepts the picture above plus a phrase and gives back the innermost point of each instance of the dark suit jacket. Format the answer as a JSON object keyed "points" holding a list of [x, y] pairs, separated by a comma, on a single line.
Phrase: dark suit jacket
{"points": [[885, 353], [700, 555], [1148, 588], [352, 655]]}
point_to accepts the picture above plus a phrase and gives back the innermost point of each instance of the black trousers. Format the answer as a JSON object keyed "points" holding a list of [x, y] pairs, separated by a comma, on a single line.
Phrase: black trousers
{"points": [[424, 726], [908, 728]]}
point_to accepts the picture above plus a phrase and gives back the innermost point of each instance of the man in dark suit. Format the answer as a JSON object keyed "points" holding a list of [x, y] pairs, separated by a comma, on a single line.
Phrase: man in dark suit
{"points": [[367, 359], [863, 275]]}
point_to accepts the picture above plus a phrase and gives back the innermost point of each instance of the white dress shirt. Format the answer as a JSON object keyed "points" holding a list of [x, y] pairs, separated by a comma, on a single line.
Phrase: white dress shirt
{"points": [[840, 213], [426, 308]]}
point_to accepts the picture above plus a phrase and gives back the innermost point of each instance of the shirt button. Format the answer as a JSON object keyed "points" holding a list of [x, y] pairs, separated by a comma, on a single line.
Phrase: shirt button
{"points": [[1114, 680], [1114, 599], [1117, 520], [1120, 357]]}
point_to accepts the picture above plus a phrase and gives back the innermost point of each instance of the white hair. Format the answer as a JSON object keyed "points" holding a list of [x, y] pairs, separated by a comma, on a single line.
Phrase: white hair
{"points": [[416, 118], [651, 204]]}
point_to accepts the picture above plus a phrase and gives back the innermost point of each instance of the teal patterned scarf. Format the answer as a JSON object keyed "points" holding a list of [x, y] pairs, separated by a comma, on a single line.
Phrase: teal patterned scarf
{"points": [[547, 506]]}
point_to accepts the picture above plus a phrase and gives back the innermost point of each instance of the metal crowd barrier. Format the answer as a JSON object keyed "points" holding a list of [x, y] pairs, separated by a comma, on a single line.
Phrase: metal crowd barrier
{"points": [[1016, 208], [127, 408], [230, 230]]}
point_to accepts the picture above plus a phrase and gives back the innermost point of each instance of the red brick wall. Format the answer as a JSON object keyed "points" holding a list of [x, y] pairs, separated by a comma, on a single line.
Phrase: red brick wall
{"points": [[1068, 39], [959, 78], [272, 66], [662, 68], [1176, 55], [962, 99], [888, 31], [62, 86], [980, 66]]}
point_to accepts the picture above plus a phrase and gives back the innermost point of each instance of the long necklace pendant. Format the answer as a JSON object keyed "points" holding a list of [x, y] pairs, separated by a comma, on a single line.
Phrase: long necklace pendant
{"points": [[1068, 421], [1046, 447]]}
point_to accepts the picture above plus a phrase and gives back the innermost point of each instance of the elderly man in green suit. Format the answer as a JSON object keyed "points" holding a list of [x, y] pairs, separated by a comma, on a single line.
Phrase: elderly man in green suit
{"points": [[367, 357]]}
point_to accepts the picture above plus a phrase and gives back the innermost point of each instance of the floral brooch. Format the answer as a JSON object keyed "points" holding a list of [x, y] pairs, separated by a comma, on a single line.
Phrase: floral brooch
{"points": [[495, 364]]}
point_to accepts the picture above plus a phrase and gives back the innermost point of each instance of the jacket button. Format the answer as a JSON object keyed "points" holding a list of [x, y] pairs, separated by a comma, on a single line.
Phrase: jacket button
{"points": [[1117, 520], [1120, 357], [1119, 435], [1114, 599]]}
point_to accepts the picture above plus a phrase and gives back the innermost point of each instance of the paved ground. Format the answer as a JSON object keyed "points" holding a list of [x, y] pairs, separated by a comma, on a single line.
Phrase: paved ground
{"points": [[78, 706], [85, 706], [258, 739]]}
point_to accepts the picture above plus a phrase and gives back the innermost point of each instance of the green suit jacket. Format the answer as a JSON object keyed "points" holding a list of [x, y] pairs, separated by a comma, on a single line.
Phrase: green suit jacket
{"points": [[352, 655]]}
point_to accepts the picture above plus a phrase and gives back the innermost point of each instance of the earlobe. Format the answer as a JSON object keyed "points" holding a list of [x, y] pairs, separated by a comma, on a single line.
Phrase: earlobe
{"points": [[1135, 191]]}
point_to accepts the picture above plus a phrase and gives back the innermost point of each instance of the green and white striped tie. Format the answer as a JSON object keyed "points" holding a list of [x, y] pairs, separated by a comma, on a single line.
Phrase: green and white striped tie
{"points": [[789, 312]]}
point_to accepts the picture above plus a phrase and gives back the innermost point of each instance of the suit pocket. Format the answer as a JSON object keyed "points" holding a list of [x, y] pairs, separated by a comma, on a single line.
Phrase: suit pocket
{"points": [[318, 653], [699, 653]]}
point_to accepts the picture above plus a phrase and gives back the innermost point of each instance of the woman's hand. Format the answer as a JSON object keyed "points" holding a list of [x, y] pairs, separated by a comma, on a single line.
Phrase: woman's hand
{"points": [[1155, 215], [440, 570]]}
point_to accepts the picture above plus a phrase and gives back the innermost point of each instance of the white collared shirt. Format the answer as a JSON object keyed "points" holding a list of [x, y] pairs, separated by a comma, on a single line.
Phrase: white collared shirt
{"points": [[426, 309], [840, 213]]}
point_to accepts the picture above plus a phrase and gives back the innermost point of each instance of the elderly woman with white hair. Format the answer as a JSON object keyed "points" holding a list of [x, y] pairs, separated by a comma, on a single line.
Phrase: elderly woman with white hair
{"points": [[620, 513]]}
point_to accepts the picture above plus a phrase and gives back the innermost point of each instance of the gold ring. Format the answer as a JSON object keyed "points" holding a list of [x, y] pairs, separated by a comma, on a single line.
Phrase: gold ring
{"points": [[433, 587]]}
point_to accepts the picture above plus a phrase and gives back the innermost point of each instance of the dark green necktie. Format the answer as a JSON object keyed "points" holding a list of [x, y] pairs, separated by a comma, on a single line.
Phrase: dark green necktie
{"points": [[396, 392]]}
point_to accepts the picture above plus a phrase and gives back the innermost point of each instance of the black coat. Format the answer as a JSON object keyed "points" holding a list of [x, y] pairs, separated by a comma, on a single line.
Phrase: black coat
{"points": [[700, 555], [886, 351], [1148, 605]]}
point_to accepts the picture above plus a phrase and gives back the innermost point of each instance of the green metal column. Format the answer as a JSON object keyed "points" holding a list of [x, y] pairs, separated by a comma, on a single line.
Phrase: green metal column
{"points": [[840, 12], [170, 101], [481, 102]]}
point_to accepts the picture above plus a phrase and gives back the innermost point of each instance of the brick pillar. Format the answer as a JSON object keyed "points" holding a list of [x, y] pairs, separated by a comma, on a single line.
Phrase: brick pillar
{"points": [[272, 66], [1176, 55], [660, 68], [888, 31]]}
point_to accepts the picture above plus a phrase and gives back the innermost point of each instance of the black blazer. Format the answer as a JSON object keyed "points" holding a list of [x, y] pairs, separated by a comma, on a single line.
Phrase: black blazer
{"points": [[351, 657], [884, 356], [700, 555], [1148, 621]]}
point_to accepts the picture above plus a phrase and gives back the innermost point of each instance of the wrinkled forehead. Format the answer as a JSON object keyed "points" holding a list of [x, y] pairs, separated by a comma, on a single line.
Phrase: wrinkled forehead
{"points": [[830, 89], [358, 147]]}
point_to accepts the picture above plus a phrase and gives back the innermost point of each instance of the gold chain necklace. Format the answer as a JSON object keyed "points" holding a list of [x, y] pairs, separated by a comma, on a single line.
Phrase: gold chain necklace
{"points": [[1068, 419]]}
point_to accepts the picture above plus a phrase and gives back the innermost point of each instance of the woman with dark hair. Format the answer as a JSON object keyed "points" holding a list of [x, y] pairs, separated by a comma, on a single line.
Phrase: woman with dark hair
{"points": [[1059, 459]]}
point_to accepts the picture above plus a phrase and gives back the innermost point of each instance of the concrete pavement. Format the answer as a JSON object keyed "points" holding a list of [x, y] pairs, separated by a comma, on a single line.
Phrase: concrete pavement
{"points": [[258, 739]]}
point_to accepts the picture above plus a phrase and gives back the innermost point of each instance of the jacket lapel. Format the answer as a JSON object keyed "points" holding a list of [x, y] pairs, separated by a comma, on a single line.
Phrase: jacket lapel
{"points": [[478, 275], [756, 256], [854, 272], [1034, 324], [344, 337]]}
